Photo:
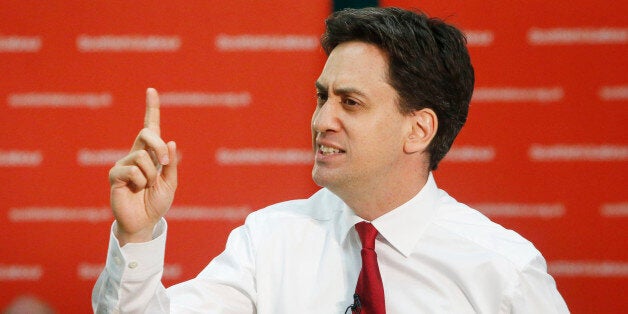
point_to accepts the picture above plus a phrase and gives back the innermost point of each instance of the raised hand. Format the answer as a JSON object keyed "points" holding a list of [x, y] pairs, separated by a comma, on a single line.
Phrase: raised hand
{"points": [[144, 181]]}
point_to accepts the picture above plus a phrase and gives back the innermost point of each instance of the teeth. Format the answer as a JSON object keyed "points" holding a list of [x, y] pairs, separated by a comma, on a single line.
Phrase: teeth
{"points": [[328, 150]]}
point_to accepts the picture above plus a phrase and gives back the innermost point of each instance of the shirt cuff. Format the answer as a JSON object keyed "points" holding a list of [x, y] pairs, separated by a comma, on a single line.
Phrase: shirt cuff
{"points": [[136, 261]]}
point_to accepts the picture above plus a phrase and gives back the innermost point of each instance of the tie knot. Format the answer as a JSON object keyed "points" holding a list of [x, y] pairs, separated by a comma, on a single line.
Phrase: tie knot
{"points": [[367, 234]]}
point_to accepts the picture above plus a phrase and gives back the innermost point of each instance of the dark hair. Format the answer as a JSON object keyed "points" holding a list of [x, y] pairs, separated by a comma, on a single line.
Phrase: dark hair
{"points": [[429, 65]]}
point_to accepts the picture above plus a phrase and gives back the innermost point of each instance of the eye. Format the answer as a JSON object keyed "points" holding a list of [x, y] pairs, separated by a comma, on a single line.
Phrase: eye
{"points": [[321, 98], [349, 102]]}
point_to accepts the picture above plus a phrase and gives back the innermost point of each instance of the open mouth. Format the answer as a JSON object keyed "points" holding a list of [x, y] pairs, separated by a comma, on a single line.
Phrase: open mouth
{"points": [[326, 150]]}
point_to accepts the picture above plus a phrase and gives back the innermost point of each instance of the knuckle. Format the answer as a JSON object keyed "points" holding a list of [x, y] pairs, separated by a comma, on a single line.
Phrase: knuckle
{"points": [[135, 172], [113, 173], [141, 154], [137, 176], [120, 162], [148, 133], [144, 135], [141, 134]]}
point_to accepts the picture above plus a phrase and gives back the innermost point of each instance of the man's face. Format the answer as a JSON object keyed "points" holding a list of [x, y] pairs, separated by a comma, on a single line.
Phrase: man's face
{"points": [[358, 131]]}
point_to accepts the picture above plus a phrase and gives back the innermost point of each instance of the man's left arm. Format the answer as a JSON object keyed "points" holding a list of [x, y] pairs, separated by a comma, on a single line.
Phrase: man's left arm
{"points": [[536, 291]]}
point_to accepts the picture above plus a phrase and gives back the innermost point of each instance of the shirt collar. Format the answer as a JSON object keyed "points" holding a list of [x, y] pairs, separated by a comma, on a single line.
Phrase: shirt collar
{"points": [[403, 226], [347, 220]]}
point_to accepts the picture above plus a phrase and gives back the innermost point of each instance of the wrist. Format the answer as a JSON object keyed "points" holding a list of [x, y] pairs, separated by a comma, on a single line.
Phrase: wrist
{"points": [[140, 236]]}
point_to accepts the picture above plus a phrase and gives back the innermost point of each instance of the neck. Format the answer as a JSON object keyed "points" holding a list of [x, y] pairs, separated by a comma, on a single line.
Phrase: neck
{"points": [[372, 201]]}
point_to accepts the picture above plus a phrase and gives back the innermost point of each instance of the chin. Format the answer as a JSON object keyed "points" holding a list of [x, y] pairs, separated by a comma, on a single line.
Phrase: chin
{"points": [[326, 180], [320, 178], [317, 179]]}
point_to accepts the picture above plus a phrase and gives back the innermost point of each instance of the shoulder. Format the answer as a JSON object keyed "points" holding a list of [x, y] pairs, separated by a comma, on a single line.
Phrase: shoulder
{"points": [[462, 224], [321, 206], [281, 228], [470, 246]]}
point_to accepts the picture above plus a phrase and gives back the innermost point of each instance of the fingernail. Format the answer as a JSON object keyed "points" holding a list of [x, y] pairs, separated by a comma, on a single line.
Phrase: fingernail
{"points": [[165, 160]]}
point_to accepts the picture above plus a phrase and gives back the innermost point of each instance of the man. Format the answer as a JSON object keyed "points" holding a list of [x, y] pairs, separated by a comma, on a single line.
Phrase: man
{"points": [[392, 97]]}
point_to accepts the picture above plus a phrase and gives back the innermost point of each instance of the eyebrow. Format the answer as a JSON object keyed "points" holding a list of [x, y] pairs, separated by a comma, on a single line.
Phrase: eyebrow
{"points": [[341, 90]]}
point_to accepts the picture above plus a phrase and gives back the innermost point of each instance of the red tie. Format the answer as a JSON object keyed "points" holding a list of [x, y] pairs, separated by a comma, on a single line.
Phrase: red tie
{"points": [[369, 289]]}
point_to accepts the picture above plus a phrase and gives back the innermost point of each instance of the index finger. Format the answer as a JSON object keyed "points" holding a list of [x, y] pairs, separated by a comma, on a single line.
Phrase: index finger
{"points": [[151, 119]]}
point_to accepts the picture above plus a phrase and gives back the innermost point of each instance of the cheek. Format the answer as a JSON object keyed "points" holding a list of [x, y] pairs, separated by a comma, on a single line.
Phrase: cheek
{"points": [[314, 115], [388, 134], [312, 129]]}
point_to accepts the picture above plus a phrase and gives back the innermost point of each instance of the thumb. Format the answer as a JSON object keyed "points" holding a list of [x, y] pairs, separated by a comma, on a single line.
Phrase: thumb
{"points": [[169, 171]]}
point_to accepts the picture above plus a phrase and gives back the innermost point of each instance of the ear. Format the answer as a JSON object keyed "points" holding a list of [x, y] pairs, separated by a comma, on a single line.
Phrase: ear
{"points": [[424, 126]]}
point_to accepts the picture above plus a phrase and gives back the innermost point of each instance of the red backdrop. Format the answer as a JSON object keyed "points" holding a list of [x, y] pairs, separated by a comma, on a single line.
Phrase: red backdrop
{"points": [[544, 152]]}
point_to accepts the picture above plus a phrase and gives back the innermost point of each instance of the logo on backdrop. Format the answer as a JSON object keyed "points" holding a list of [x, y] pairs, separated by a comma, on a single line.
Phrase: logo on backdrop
{"points": [[60, 100], [518, 94], [588, 152], [127, 43], [20, 43], [266, 42], [567, 36], [20, 158]]}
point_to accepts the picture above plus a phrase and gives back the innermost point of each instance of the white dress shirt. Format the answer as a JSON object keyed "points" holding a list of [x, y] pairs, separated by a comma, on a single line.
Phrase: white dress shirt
{"points": [[303, 256]]}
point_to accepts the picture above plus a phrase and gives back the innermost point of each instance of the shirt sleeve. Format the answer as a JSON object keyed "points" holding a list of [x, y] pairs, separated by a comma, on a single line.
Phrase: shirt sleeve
{"points": [[536, 291], [131, 279], [226, 285]]}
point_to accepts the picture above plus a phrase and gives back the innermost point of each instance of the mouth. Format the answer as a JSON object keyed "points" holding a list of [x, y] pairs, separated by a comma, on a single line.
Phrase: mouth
{"points": [[328, 150]]}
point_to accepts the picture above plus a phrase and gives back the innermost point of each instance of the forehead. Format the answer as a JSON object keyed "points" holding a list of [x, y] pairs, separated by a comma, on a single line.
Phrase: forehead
{"points": [[355, 62]]}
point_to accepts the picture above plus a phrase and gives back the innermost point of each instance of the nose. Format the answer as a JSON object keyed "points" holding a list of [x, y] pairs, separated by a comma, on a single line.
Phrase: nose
{"points": [[325, 118]]}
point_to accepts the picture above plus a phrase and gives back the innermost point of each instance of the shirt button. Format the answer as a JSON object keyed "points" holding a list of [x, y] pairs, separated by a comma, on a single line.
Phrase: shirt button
{"points": [[132, 265]]}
